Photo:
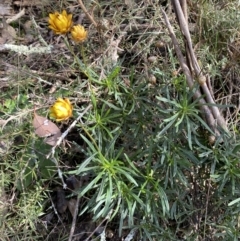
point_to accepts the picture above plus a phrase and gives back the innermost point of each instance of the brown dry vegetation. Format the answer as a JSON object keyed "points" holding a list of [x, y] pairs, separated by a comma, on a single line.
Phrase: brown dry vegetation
{"points": [[141, 159]]}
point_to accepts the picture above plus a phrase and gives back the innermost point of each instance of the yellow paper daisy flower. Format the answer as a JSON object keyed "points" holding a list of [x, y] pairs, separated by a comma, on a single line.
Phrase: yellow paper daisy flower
{"points": [[60, 23], [61, 109], [79, 34]]}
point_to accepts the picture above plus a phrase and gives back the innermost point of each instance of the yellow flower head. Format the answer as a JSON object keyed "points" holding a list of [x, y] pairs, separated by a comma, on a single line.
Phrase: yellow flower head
{"points": [[79, 34], [60, 23], [61, 109]]}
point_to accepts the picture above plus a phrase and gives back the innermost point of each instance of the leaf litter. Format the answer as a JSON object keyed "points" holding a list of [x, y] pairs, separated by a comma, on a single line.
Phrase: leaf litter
{"points": [[47, 129]]}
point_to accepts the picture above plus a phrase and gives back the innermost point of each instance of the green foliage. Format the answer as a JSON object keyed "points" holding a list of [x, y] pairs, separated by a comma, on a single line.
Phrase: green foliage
{"points": [[218, 24], [143, 148], [142, 164]]}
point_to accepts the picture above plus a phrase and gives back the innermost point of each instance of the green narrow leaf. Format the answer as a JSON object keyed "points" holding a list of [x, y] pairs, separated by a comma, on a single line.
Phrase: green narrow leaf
{"points": [[165, 128], [91, 184], [234, 202], [82, 167], [89, 144], [189, 135]]}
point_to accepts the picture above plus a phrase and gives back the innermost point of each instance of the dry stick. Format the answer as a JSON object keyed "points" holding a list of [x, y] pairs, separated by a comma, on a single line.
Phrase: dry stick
{"points": [[206, 211], [184, 9], [197, 95], [183, 4], [94, 231], [185, 31], [86, 12], [74, 219], [131, 235], [60, 175], [16, 17]]}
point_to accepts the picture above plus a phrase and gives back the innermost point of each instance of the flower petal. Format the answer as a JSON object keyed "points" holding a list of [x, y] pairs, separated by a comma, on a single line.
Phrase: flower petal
{"points": [[60, 23], [61, 109]]}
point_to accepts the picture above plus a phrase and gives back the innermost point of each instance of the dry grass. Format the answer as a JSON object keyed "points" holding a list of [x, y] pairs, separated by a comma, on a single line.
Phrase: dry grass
{"points": [[133, 166]]}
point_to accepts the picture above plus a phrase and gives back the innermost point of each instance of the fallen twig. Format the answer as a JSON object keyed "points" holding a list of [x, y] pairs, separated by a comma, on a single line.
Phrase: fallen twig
{"points": [[106, 218], [74, 219], [131, 235], [60, 175], [16, 17], [88, 15]]}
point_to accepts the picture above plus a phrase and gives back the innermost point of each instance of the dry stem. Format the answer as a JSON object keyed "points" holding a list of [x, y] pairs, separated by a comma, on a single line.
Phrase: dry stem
{"points": [[87, 13], [211, 112]]}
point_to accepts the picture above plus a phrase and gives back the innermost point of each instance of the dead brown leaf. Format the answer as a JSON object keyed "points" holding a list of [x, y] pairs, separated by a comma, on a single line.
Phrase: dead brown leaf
{"points": [[46, 128]]}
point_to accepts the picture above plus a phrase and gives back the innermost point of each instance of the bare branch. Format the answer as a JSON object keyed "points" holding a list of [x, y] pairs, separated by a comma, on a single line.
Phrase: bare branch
{"points": [[180, 8], [207, 114], [87, 13], [74, 219]]}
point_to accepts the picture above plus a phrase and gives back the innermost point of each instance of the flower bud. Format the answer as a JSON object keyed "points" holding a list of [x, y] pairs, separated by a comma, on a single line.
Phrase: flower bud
{"points": [[79, 34]]}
